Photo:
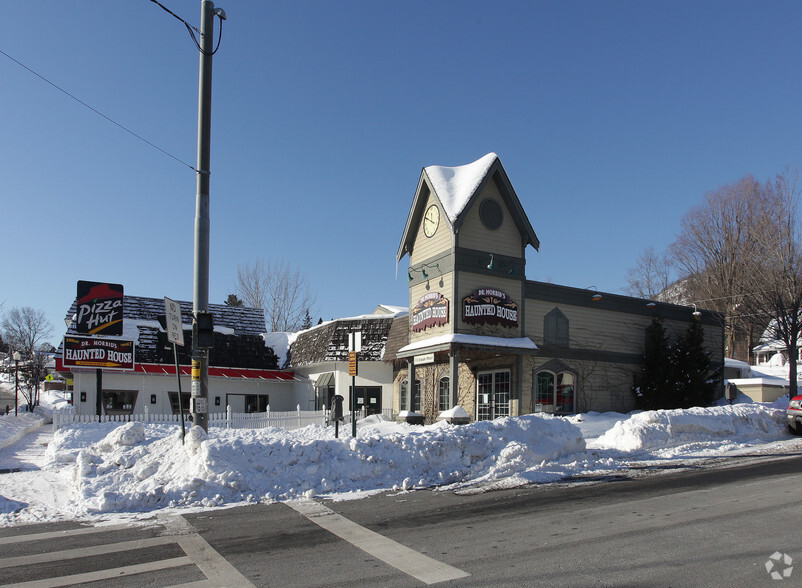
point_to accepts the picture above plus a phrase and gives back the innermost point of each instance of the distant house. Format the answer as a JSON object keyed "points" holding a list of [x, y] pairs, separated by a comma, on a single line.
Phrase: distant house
{"points": [[243, 371], [773, 352], [321, 355]]}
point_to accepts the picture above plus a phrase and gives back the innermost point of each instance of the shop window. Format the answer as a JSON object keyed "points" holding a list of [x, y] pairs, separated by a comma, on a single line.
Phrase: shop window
{"points": [[403, 397], [174, 401], [555, 392], [256, 402], [119, 401], [443, 394], [555, 328]]}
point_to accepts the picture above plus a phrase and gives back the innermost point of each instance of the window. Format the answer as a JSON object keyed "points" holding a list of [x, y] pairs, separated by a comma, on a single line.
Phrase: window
{"points": [[555, 328], [443, 394], [119, 401], [554, 392], [174, 401], [256, 402], [403, 397]]}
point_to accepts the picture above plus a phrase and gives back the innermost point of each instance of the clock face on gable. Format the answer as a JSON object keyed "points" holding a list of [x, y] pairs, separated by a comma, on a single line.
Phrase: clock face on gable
{"points": [[431, 220]]}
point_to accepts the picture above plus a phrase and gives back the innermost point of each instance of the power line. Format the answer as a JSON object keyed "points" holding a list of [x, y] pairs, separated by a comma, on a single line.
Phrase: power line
{"points": [[114, 122], [191, 28]]}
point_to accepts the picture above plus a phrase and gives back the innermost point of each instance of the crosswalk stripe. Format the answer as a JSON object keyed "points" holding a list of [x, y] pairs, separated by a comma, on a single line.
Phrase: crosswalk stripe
{"points": [[38, 558], [101, 575], [426, 569], [60, 534]]}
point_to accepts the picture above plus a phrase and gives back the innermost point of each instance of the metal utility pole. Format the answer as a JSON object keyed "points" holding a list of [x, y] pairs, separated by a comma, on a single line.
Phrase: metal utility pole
{"points": [[199, 405]]}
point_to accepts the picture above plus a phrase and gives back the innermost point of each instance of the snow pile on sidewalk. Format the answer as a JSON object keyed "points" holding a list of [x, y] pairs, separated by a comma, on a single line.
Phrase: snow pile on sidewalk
{"points": [[661, 429], [140, 467], [13, 428]]}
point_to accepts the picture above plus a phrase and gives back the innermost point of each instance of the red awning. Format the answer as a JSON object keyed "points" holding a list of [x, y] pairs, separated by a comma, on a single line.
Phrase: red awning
{"points": [[219, 372]]}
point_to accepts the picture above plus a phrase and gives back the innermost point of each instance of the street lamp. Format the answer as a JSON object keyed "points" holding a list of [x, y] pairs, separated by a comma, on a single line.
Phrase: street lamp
{"points": [[16, 357]]}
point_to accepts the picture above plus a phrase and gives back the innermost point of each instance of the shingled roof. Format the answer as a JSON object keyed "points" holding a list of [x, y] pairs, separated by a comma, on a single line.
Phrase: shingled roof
{"points": [[238, 340], [329, 341]]}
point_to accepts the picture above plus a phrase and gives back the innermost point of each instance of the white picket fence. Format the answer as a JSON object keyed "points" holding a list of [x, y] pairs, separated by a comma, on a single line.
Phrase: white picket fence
{"points": [[293, 419]]}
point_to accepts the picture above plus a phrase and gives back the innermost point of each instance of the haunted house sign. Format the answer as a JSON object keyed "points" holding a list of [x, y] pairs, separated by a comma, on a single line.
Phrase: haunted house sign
{"points": [[99, 308], [431, 311], [487, 306]]}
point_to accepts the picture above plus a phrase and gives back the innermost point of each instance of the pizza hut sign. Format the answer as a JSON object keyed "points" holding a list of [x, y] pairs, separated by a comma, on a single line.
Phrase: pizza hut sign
{"points": [[99, 308], [431, 311], [487, 306]]}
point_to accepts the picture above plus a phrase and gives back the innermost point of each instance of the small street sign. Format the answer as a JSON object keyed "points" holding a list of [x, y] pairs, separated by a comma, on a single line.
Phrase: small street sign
{"points": [[175, 330], [352, 363]]}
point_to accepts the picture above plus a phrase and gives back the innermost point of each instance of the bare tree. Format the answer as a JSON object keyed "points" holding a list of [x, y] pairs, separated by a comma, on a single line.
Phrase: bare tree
{"points": [[715, 247], [778, 261], [25, 329], [650, 276], [280, 290]]}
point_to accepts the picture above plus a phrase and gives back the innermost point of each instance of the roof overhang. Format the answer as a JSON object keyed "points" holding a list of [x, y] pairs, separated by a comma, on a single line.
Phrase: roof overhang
{"points": [[497, 345]]}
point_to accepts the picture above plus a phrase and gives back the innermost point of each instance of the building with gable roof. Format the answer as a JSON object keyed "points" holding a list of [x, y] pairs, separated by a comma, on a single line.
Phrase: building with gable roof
{"points": [[243, 370], [321, 355], [482, 336]]}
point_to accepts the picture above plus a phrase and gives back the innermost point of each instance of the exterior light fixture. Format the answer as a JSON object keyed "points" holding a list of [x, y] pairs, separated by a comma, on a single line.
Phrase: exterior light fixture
{"points": [[492, 264], [696, 313]]}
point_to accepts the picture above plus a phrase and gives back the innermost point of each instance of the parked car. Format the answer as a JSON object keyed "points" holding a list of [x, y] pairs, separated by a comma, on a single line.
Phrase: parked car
{"points": [[794, 415]]}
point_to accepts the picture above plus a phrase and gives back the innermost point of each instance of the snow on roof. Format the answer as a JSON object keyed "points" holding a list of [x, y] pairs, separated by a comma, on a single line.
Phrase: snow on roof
{"points": [[512, 342], [280, 343], [454, 186]]}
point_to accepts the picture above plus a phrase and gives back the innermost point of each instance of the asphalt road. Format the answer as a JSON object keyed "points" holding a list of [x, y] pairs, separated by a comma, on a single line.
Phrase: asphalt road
{"points": [[696, 527], [711, 527]]}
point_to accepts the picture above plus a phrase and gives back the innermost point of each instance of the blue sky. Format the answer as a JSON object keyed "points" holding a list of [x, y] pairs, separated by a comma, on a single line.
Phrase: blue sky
{"points": [[612, 120]]}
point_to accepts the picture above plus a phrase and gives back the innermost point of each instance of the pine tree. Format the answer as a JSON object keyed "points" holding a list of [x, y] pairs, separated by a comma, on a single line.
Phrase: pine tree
{"points": [[694, 384], [307, 322], [233, 300], [654, 385]]}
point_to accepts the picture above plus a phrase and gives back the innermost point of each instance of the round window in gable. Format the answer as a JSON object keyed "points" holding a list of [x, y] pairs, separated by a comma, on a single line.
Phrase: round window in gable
{"points": [[491, 214]]}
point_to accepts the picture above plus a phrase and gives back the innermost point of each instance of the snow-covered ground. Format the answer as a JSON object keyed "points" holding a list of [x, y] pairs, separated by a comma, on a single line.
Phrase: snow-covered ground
{"points": [[108, 472]]}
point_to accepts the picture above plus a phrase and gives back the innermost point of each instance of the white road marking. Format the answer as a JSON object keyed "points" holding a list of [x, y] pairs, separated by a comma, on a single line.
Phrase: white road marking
{"points": [[38, 558], [409, 561], [213, 565], [161, 564]]}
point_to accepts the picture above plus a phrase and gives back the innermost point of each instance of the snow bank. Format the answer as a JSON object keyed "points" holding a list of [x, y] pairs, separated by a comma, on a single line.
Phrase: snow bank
{"points": [[13, 428], [140, 467], [738, 424]]}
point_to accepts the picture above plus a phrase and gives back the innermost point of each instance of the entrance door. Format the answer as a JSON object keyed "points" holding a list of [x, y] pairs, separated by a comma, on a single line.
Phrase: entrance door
{"points": [[369, 397], [492, 395]]}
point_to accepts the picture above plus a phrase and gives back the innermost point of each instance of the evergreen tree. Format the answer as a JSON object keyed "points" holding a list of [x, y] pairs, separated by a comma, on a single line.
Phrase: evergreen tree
{"points": [[233, 300], [307, 322], [654, 385], [694, 384]]}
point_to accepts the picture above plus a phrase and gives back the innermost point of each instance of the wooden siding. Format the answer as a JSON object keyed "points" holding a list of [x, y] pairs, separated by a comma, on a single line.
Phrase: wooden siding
{"points": [[425, 247], [611, 331], [505, 240]]}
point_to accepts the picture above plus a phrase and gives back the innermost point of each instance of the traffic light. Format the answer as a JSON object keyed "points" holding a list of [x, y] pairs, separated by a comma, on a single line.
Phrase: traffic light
{"points": [[203, 330]]}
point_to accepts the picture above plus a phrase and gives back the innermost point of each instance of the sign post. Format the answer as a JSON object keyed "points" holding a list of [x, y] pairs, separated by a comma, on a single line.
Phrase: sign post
{"points": [[175, 334], [355, 345], [99, 311]]}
